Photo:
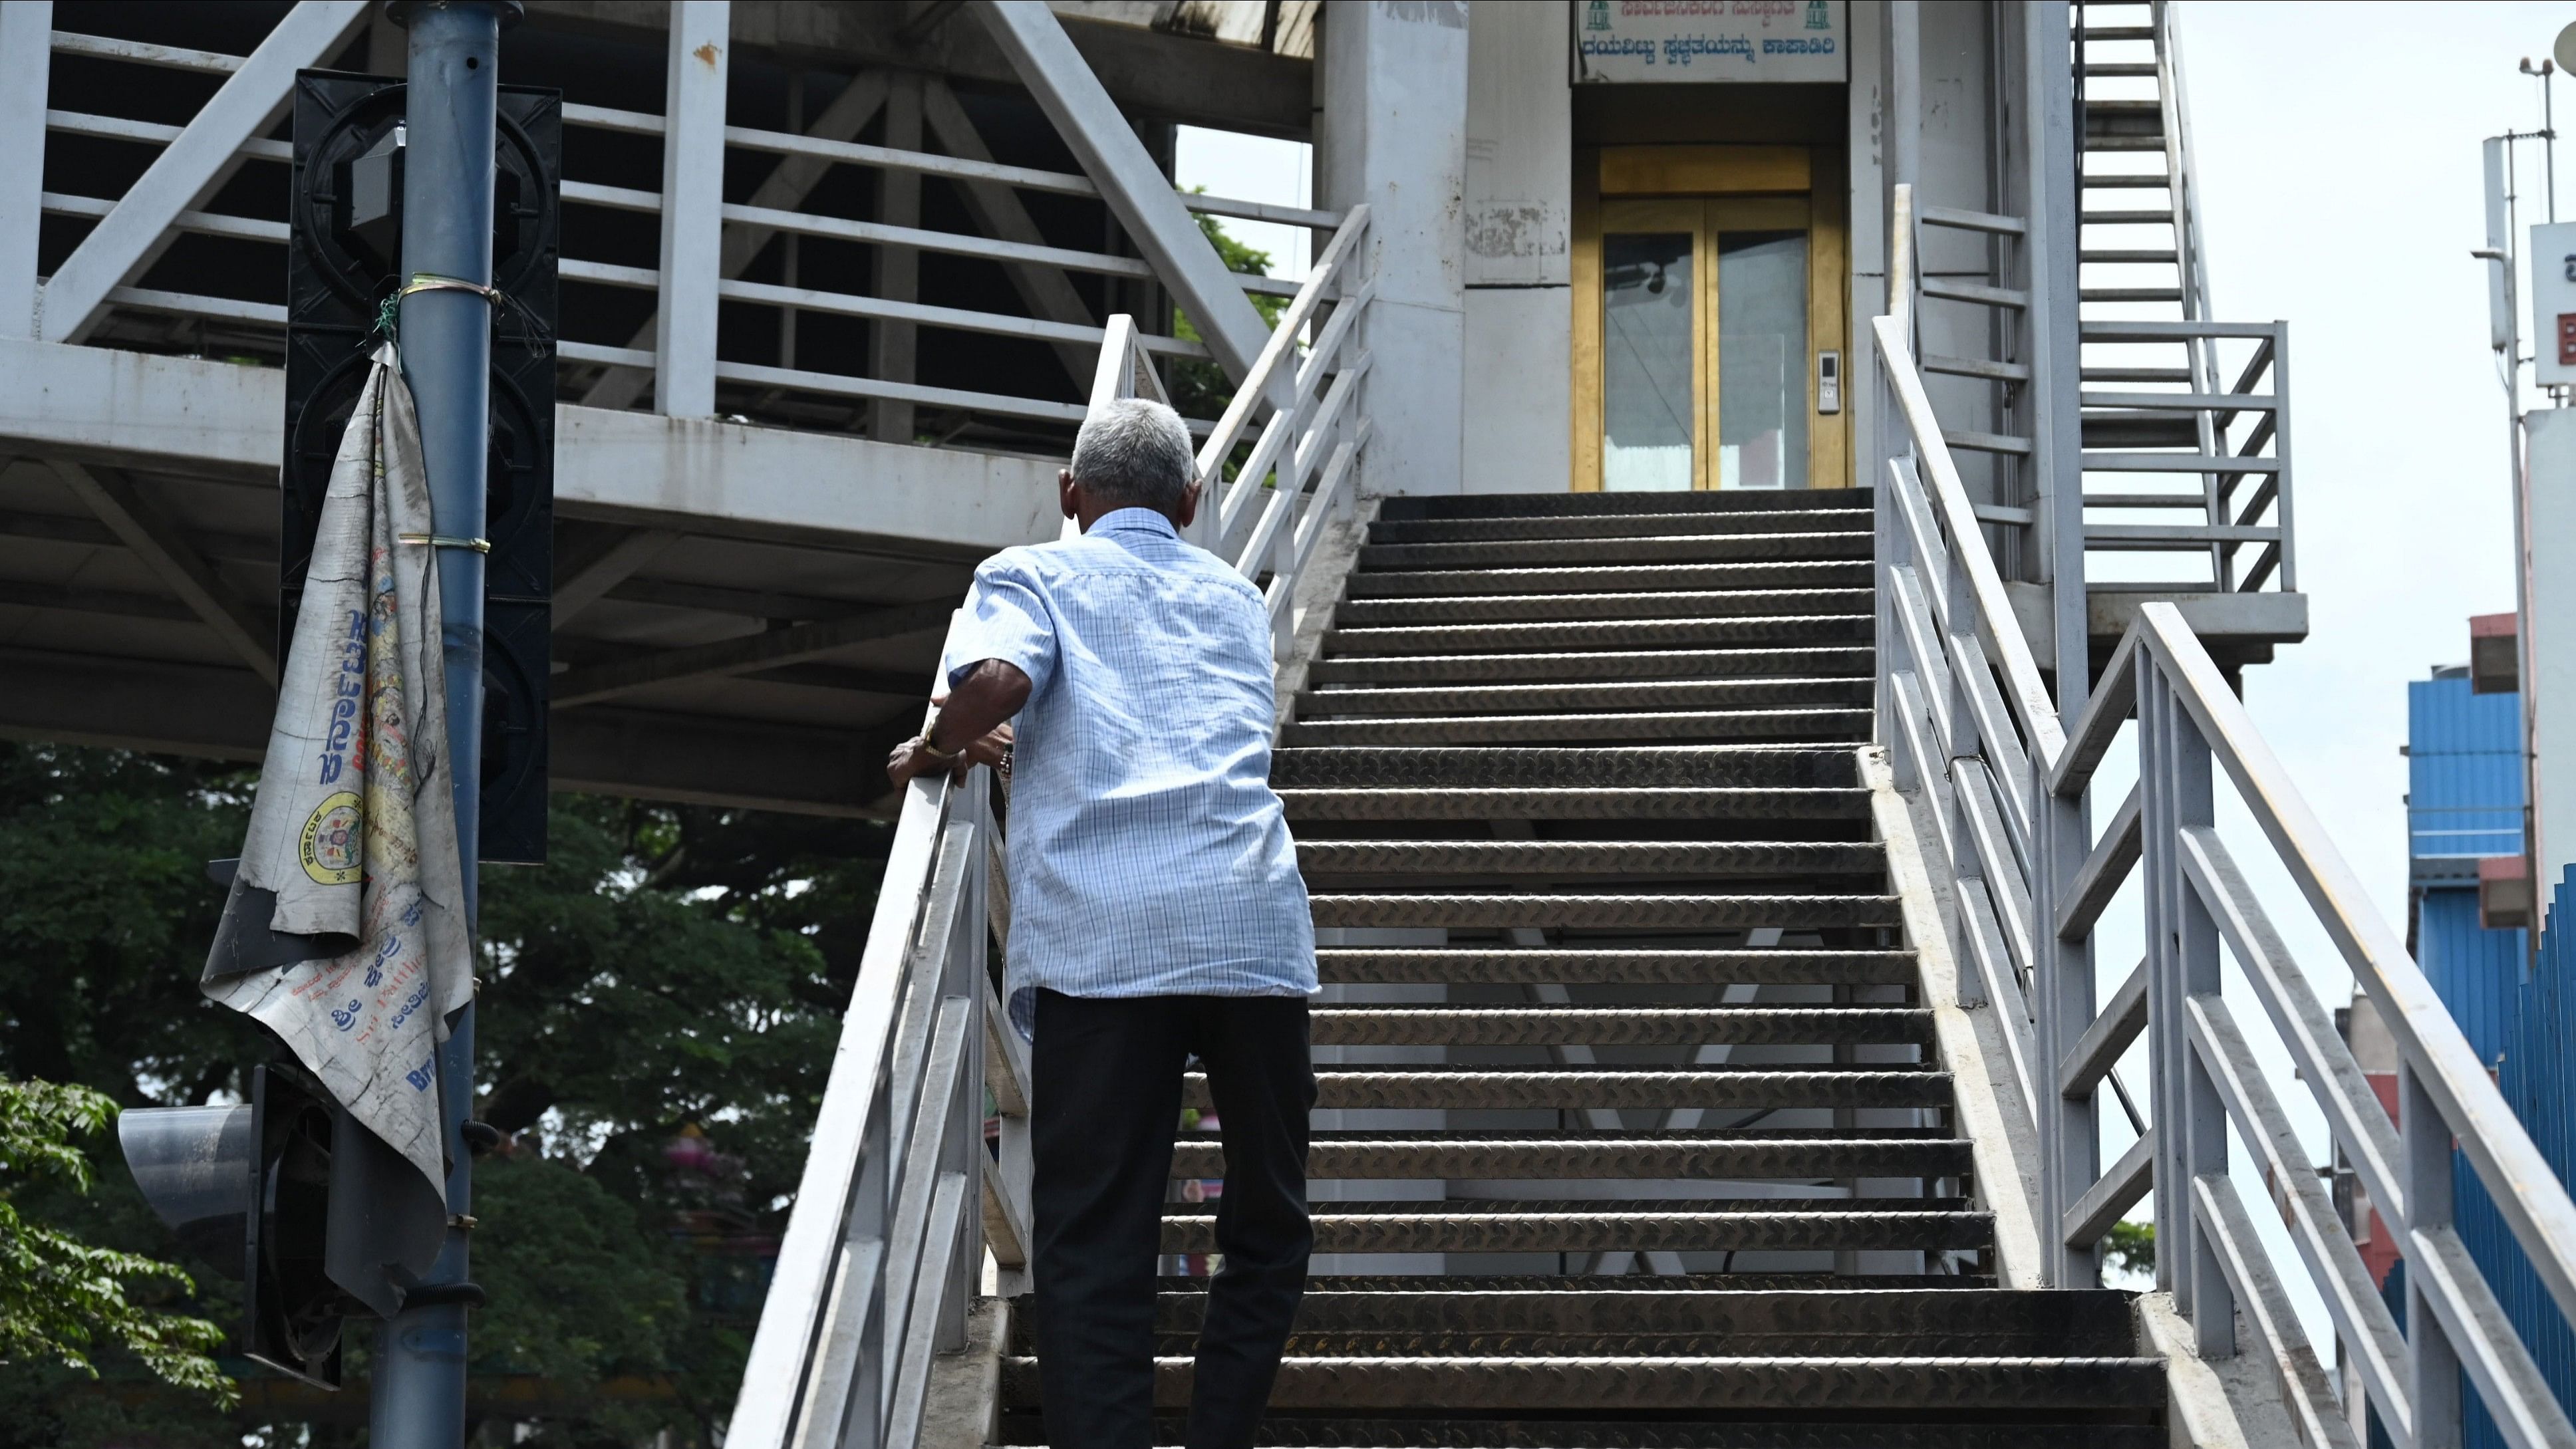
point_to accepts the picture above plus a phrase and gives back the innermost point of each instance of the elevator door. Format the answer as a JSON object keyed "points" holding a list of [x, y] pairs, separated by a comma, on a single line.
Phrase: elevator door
{"points": [[1706, 372]]}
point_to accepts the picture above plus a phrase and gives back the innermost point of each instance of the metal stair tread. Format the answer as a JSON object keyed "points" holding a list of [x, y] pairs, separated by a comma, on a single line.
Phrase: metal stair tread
{"points": [[1678, 548], [1616, 525], [1584, 696], [1556, 635], [1751, 660], [1604, 911], [1611, 578], [1617, 1086], [1816, 722], [1623, 965], [1551, 1025], [1528, 505], [1592, 803], [1427, 766], [1530, 608], [1567, 857]]}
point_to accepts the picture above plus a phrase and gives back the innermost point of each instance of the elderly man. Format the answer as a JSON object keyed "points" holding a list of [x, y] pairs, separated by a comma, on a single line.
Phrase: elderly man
{"points": [[1156, 914]]}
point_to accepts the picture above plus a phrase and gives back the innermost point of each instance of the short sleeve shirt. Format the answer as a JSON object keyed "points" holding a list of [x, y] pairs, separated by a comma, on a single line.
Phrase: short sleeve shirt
{"points": [[1148, 854]]}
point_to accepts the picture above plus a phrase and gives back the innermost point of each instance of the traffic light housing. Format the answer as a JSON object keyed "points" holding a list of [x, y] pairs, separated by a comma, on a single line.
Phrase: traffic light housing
{"points": [[319, 1219], [343, 262]]}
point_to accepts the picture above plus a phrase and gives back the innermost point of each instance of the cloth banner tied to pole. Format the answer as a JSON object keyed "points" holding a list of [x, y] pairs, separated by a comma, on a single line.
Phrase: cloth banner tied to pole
{"points": [[345, 933]]}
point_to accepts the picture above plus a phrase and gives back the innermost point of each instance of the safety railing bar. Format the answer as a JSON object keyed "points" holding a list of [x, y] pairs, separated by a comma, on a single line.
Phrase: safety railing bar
{"points": [[1277, 443], [2089, 1220], [947, 1210], [2099, 1049], [1913, 714], [1006, 1216], [2361, 1317], [2106, 868], [2324, 1060], [2528, 1195], [2315, 1410], [2481, 1333], [2261, 499], [1930, 552], [1282, 592], [1999, 868], [2145, 331], [1006, 1058], [1993, 722], [2097, 728], [822, 1399], [1313, 443], [1283, 499], [1923, 644], [1320, 283], [997, 891], [2028, 696], [2264, 563], [915, 1028], [2183, 402], [793, 1310], [907, 1243], [1000, 324], [1995, 973]]}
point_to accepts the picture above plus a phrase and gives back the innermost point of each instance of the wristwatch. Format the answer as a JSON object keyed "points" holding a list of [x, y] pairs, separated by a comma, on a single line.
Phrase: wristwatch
{"points": [[932, 750]]}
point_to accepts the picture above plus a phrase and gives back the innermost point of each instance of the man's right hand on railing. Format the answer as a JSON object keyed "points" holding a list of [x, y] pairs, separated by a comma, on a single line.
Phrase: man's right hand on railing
{"points": [[976, 711]]}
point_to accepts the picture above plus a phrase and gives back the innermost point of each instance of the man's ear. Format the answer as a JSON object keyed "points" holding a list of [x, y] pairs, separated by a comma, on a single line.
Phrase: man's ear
{"points": [[1188, 511], [1068, 495]]}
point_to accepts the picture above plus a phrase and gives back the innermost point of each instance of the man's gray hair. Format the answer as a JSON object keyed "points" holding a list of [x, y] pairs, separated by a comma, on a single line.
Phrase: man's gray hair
{"points": [[1135, 452]]}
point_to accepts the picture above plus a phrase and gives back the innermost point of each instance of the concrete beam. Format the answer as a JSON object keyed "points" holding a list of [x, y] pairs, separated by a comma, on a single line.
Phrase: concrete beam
{"points": [[145, 529], [217, 713], [767, 649], [694, 475], [1151, 74]]}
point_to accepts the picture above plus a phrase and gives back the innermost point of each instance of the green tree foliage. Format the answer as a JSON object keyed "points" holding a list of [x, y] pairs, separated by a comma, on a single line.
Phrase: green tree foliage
{"points": [[59, 1296], [656, 1021], [2130, 1248]]}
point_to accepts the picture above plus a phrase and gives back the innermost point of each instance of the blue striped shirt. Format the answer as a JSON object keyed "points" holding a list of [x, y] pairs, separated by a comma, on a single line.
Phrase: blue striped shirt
{"points": [[1148, 853]]}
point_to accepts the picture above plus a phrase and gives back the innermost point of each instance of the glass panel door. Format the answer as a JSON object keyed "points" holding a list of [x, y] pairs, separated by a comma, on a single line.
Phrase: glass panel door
{"points": [[1649, 350], [1762, 400]]}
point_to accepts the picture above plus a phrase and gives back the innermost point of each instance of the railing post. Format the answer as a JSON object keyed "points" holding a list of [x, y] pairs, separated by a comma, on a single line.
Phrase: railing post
{"points": [[964, 978], [693, 111], [2070, 1144], [26, 63], [2182, 951], [2433, 1365]]}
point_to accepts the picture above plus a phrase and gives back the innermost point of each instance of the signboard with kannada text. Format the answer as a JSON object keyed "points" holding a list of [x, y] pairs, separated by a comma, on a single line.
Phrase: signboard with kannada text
{"points": [[1707, 41]]}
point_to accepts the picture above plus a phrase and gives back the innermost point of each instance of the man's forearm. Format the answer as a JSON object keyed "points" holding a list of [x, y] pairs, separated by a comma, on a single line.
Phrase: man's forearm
{"points": [[991, 692]]}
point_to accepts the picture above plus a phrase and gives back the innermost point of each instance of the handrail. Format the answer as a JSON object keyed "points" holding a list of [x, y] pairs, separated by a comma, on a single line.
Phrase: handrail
{"points": [[878, 1264], [1950, 636]]}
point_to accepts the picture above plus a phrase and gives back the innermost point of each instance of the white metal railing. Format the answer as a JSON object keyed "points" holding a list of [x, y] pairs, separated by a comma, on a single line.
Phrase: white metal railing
{"points": [[900, 1200], [1975, 736], [1267, 515], [616, 371]]}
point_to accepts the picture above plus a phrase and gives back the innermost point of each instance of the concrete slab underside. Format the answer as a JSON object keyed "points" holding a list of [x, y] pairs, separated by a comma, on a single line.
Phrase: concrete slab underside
{"points": [[762, 609]]}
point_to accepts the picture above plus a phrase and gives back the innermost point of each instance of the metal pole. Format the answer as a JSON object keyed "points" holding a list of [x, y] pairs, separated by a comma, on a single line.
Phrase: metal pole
{"points": [[446, 337]]}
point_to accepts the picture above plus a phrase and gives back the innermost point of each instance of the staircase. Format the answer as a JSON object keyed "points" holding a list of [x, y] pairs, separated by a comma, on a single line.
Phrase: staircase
{"points": [[1630, 1127]]}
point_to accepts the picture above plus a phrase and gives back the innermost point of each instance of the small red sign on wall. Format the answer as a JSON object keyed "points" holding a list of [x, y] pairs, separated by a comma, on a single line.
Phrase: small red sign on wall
{"points": [[2567, 339]]}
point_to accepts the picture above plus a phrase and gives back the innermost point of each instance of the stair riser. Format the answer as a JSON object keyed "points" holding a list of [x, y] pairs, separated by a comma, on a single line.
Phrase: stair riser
{"points": [[2083, 1322], [1294, 1430], [1784, 725], [1561, 858], [1607, 804], [1616, 525], [1537, 1159], [1460, 1090], [1708, 548], [1582, 505], [1524, 699], [1834, 660], [1533, 608], [1657, 968], [1836, 1385], [1613, 579], [1577, 635], [1576, 1232], [1619, 1026], [1604, 912], [1435, 768]]}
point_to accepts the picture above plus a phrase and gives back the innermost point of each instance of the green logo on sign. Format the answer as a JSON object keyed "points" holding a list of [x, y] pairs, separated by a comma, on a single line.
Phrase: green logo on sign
{"points": [[1817, 16], [1597, 16]]}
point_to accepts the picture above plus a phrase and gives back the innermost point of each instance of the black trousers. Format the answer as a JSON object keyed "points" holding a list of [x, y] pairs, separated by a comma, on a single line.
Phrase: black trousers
{"points": [[1108, 1090]]}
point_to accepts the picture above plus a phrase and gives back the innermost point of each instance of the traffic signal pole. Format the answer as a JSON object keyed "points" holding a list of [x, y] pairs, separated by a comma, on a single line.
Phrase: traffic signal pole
{"points": [[418, 1389]]}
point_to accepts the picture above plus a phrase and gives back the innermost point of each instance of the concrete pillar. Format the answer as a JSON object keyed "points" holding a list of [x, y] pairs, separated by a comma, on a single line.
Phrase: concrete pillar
{"points": [[1518, 255], [1391, 132]]}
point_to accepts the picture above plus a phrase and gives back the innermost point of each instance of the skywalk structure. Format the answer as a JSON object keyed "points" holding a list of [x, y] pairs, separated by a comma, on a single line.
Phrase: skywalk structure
{"points": [[1732, 478]]}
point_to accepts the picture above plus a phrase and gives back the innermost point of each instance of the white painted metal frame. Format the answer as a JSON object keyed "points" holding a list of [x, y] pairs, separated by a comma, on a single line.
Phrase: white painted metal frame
{"points": [[884, 1250], [1974, 735], [704, 241]]}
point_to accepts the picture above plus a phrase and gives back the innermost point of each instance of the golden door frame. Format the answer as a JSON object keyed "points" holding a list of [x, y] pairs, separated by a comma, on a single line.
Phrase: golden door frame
{"points": [[1704, 190]]}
